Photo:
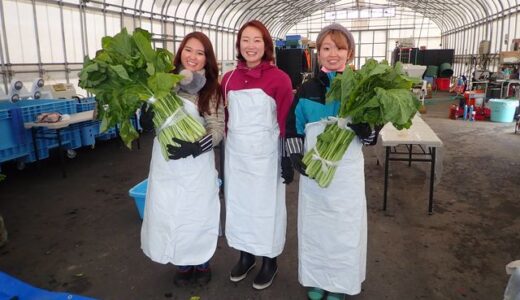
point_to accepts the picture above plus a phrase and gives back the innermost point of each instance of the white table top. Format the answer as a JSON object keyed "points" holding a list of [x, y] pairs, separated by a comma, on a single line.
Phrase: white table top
{"points": [[74, 118], [419, 133]]}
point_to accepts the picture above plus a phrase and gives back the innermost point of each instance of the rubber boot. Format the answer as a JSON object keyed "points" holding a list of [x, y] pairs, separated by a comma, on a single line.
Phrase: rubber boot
{"points": [[183, 276], [202, 274], [265, 277], [242, 267]]}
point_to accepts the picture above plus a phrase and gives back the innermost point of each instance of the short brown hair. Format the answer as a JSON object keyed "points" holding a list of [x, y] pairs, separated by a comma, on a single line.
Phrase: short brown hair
{"points": [[268, 41], [340, 35]]}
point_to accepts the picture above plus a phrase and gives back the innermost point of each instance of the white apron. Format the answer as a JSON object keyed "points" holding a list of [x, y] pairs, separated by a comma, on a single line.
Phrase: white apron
{"points": [[182, 210], [332, 223], [256, 217]]}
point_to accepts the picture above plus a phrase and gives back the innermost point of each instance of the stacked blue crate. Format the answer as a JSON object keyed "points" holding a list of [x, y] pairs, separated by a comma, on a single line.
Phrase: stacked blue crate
{"points": [[293, 41], [30, 109], [90, 130], [11, 146], [70, 138]]}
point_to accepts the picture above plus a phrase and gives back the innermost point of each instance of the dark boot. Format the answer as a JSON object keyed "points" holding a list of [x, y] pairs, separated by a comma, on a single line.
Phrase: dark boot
{"points": [[242, 267], [265, 277], [183, 276], [202, 275]]}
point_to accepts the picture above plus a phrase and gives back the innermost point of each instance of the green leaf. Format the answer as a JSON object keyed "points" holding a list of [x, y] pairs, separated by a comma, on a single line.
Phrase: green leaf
{"points": [[161, 84], [120, 71], [121, 43], [144, 44], [398, 105], [150, 68], [128, 133]]}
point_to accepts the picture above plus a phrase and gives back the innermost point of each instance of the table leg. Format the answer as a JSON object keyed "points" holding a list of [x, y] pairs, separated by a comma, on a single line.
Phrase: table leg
{"points": [[410, 155], [62, 154], [432, 179], [387, 156], [33, 134]]}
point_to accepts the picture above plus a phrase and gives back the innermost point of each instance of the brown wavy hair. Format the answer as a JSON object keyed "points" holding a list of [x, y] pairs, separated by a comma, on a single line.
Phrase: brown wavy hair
{"points": [[268, 41], [211, 90]]}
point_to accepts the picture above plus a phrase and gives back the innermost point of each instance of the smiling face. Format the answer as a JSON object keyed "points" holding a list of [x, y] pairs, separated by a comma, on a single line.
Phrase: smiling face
{"points": [[252, 46], [193, 56], [332, 56]]}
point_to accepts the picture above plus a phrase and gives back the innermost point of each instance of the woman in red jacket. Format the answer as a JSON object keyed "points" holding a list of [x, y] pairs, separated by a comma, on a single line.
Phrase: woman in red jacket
{"points": [[259, 96]]}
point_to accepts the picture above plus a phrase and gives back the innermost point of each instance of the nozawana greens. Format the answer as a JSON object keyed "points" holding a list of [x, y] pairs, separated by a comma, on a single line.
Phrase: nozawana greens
{"points": [[126, 72], [376, 94]]}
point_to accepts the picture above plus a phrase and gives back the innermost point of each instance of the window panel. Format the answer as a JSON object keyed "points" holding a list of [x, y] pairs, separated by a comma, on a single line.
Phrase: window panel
{"points": [[73, 36], [113, 24], [366, 50], [364, 13], [49, 31], [95, 30], [380, 37], [367, 36], [21, 36], [379, 50]]}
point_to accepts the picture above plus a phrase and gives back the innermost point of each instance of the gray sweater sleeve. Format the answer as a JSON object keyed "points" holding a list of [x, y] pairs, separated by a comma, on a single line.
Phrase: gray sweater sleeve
{"points": [[215, 122]]}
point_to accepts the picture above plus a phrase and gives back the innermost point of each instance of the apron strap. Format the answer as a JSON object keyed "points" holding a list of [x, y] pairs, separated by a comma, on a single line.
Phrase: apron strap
{"points": [[225, 87]]}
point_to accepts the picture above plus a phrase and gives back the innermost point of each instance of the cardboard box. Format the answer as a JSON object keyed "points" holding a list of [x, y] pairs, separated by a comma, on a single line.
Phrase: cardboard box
{"points": [[509, 57]]}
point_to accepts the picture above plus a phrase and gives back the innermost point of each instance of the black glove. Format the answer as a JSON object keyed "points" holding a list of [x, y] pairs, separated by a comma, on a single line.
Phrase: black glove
{"points": [[146, 118], [365, 133], [287, 170], [186, 149], [297, 163]]}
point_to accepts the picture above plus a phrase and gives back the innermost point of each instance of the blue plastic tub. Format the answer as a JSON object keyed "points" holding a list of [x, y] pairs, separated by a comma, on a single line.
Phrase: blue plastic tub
{"points": [[502, 110], [12, 288], [138, 192]]}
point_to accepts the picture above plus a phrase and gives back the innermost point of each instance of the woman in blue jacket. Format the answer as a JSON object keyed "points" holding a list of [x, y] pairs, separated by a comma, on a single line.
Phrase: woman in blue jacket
{"points": [[332, 221]]}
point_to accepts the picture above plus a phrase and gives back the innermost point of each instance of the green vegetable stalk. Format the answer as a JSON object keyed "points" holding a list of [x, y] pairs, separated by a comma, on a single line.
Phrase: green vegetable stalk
{"points": [[376, 94], [126, 72]]}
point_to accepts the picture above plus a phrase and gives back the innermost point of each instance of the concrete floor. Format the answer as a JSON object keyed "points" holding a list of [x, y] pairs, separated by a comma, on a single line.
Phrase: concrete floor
{"points": [[81, 233]]}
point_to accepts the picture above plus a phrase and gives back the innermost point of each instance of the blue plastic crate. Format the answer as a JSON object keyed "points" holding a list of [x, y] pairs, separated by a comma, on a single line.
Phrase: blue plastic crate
{"points": [[280, 43], [32, 108], [70, 139], [293, 37], [86, 104], [15, 152], [107, 135], [89, 130]]}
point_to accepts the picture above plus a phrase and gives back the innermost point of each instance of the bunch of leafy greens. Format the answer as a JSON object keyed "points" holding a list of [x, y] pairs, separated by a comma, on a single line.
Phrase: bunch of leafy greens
{"points": [[128, 71], [376, 94]]}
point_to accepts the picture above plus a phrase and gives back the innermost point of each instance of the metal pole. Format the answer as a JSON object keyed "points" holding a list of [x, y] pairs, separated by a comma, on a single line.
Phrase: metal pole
{"points": [[67, 77], [37, 36], [5, 69]]}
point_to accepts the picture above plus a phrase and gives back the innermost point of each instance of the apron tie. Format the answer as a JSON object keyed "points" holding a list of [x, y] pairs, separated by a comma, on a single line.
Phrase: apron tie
{"points": [[325, 164], [341, 122], [177, 115]]}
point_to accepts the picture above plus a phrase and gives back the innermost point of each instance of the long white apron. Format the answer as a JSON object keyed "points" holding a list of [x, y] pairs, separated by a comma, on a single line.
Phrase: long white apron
{"points": [[256, 216], [332, 223], [182, 210]]}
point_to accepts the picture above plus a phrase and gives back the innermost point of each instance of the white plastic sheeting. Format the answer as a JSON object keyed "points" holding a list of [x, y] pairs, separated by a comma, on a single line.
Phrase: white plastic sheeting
{"points": [[49, 38]]}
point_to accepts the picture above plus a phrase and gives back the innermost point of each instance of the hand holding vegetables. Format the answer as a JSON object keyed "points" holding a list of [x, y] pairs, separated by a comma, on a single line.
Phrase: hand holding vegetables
{"points": [[287, 170], [146, 118], [376, 94], [128, 71], [186, 149], [298, 165]]}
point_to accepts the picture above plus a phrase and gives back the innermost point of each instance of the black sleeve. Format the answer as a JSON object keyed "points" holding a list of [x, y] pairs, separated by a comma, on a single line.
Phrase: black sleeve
{"points": [[293, 140]]}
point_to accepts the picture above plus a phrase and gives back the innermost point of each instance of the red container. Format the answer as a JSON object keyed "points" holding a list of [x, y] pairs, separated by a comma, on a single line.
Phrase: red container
{"points": [[443, 84]]}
